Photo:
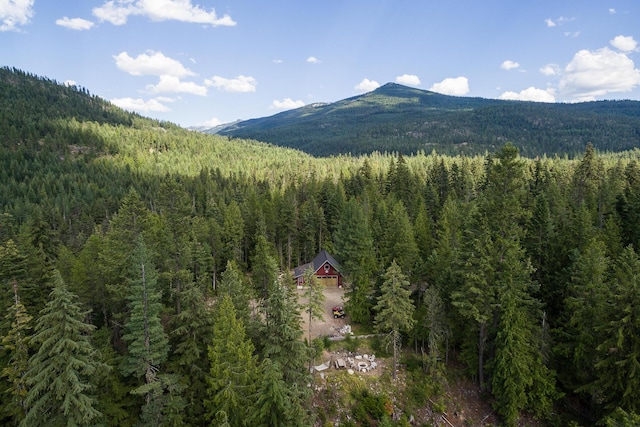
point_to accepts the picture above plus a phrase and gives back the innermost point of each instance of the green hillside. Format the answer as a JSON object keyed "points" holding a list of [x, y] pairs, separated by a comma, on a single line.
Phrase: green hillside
{"points": [[395, 118], [145, 277]]}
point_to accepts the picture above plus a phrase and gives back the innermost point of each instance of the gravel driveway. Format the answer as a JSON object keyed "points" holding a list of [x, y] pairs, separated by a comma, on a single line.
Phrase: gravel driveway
{"points": [[328, 326]]}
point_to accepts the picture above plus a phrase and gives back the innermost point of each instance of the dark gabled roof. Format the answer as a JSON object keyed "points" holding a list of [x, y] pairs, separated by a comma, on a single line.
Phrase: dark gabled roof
{"points": [[317, 262]]}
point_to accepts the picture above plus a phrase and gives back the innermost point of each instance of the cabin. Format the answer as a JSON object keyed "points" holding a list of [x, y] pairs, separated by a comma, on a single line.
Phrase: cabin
{"points": [[324, 266]]}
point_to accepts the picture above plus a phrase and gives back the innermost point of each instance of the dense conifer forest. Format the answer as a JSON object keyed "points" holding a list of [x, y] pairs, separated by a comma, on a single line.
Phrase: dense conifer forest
{"points": [[145, 273]]}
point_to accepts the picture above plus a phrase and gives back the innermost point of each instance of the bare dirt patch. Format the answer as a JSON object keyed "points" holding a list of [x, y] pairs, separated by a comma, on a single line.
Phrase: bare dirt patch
{"points": [[328, 326]]}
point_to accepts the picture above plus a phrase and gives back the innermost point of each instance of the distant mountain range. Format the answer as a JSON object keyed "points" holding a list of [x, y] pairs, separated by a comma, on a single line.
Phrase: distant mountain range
{"points": [[396, 118]]}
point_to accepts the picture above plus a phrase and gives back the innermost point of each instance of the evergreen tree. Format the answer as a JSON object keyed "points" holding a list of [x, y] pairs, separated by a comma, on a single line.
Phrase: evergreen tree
{"points": [[233, 367], [232, 284], [520, 380], [146, 340], [232, 233], [394, 310], [16, 344], [282, 337], [618, 367], [400, 244], [263, 266], [354, 250], [436, 323], [192, 333], [586, 308], [60, 374], [274, 406]]}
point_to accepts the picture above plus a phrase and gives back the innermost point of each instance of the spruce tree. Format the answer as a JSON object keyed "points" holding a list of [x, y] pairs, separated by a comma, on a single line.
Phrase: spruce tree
{"points": [[233, 367], [282, 337], [192, 333], [232, 284], [618, 365], [273, 406], [16, 344], [60, 374], [147, 343], [394, 311], [354, 249]]}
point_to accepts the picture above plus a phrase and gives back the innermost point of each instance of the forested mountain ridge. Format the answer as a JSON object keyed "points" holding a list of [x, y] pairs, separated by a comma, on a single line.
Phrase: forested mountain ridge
{"points": [[395, 118], [141, 250]]}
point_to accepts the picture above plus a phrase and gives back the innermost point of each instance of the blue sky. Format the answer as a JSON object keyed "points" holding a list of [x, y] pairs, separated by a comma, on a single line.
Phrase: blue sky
{"points": [[205, 62]]}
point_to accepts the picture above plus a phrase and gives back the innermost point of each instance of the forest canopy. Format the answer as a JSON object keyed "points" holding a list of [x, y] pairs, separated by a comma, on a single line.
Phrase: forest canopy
{"points": [[140, 247]]}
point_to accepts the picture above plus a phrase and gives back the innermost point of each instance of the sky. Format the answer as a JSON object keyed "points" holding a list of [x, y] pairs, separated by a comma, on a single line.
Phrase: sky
{"points": [[207, 62]]}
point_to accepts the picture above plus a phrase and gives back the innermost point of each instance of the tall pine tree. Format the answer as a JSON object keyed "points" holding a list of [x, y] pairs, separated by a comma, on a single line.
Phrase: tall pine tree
{"points": [[394, 311], [233, 370], [60, 374], [147, 343]]}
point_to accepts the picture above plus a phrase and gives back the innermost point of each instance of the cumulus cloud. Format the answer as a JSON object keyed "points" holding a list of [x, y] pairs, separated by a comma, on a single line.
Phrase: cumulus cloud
{"points": [[151, 64], [313, 60], [530, 94], [367, 85], [624, 43], [75, 23], [142, 106], [239, 84], [408, 79], [172, 84], [509, 65], [458, 86], [550, 70], [15, 13], [118, 11], [597, 73], [286, 104], [612, 11]]}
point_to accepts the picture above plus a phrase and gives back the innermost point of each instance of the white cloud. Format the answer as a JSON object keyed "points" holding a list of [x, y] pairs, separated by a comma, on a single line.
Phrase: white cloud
{"points": [[561, 20], [151, 64], [172, 84], [70, 83], [212, 122], [115, 12], [408, 79], [573, 34], [118, 11], [75, 23], [277, 61], [313, 60], [239, 84], [612, 11], [509, 65], [531, 94], [286, 104], [142, 106], [458, 86], [597, 73], [624, 43], [367, 85], [550, 70], [15, 13]]}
